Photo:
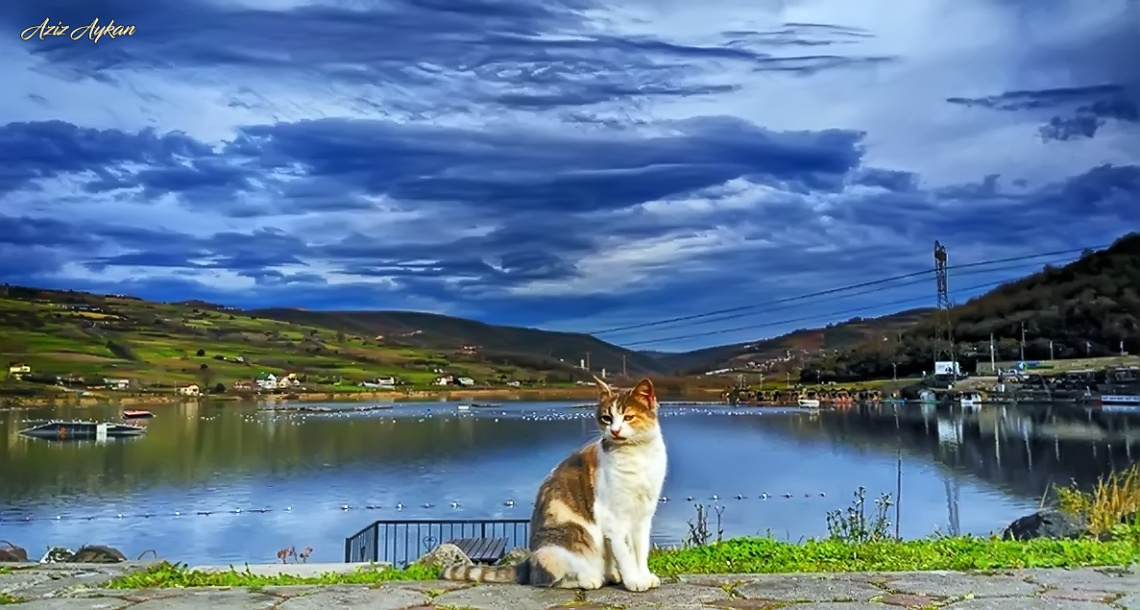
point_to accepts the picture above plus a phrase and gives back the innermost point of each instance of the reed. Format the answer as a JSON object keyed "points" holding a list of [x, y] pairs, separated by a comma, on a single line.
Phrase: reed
{"points": [[1113, 499]]}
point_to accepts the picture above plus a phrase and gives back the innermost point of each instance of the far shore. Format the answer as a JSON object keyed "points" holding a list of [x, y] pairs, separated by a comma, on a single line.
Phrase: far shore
{"points": [[134, 399]]}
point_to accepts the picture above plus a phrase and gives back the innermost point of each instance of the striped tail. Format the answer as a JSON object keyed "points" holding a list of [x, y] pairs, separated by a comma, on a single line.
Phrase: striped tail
{"points": [[516, 574]]}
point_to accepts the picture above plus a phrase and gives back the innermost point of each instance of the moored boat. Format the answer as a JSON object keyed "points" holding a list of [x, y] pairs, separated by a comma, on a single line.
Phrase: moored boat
{"points": [[82, 430], [137, 414]]}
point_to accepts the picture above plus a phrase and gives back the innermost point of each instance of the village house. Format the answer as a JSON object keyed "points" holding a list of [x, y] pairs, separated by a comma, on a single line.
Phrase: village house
{"points": [[513, 384], [381, 383], [116, 384], [244, 386], [190, 390], [16, 369], [443, 380], [465, 381]]}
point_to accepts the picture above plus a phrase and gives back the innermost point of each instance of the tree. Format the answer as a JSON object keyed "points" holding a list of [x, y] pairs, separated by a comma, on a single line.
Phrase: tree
{"points": [[201, 352]]}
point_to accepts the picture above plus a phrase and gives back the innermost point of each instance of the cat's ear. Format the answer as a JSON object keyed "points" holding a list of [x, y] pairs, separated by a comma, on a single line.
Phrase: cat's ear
{"points": [[603, 388], [644, 394]]}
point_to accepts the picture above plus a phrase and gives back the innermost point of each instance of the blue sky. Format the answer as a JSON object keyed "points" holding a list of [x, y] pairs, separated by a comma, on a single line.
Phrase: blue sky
{"points": [[569, 164]]}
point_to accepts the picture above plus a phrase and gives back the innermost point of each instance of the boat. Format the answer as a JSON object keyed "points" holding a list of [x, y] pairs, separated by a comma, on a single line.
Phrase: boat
{"points": [[82, 430], [970, 400], [137, 414], [1120, 399], [483, 405], [464, 407], [809, 403]]}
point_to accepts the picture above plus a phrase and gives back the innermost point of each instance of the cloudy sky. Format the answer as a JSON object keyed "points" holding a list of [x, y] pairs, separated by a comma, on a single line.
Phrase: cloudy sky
{"points": [[569, 164]]}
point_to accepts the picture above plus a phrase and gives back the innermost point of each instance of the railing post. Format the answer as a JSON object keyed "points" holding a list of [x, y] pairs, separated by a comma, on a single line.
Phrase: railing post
{"points": [[375, 542]]}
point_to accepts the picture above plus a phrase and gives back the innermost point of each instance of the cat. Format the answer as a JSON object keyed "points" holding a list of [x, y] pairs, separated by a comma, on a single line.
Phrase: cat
{"points": [[593, 512]]}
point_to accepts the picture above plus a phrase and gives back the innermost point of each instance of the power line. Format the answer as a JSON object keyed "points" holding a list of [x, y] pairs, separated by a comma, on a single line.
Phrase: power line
{"points": [[807, 318], [870, 290], [820, 293]]}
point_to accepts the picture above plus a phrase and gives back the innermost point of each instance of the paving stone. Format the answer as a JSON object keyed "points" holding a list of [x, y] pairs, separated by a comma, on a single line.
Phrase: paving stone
{"points": [[386, 597], [959, 584], [667, 596], [89, 603], [1077, 595], [1022, 603], [1128, 602], [210, 597], [809, 588], [502, 597], [906, 600], [1115, 580]]}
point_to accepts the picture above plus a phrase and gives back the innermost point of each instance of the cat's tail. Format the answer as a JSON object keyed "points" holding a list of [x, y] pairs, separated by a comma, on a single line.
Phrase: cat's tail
{"points": [[515, 574]]}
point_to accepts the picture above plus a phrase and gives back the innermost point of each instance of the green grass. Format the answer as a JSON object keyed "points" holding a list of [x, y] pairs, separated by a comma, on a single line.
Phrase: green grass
{"points": [[746, 556], [8, 599]]}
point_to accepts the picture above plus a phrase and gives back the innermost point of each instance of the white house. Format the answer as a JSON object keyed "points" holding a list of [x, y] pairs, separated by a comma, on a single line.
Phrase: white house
{"points": [[465, 381]]}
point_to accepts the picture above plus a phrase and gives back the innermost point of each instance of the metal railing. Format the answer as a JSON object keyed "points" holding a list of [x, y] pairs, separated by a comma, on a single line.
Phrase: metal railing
{"points": [[402, 542]]}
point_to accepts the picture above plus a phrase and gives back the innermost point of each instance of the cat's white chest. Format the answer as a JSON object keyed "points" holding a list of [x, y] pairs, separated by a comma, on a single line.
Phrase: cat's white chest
{"points": [[630, 481]]}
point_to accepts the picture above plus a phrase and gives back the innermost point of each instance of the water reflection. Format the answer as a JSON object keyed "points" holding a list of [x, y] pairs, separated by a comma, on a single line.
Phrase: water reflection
{"points": [[315, 475]]}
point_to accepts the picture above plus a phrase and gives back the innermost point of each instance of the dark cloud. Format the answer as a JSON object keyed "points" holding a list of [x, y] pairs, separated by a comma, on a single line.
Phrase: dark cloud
{"points": [[1086, 108], [525, 53], [1097, 61]]}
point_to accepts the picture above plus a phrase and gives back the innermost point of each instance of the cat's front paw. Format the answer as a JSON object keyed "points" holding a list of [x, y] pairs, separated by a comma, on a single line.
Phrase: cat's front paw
{"points": [[653, 580], [641, 582]]}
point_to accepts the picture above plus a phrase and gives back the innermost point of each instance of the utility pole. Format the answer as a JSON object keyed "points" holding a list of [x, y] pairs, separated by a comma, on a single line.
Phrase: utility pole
{"points": [[624, 371], [587, 361], [1050, 350], [944, 331], [789, 379], [993, 356], [1088, 348], [894, 371], [1023, 341]]}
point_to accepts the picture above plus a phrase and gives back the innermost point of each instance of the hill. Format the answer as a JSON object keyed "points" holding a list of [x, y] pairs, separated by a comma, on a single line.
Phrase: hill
{"points": [[523, 346], [837, 336], [77, 335], [1088, 308]]}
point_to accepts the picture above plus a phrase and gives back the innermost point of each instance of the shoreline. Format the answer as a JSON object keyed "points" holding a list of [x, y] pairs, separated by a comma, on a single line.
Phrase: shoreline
{"points": [[118, 399]]}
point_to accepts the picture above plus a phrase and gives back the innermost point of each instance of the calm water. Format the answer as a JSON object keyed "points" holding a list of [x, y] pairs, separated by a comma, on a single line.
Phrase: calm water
{"points": [[970, 472]]}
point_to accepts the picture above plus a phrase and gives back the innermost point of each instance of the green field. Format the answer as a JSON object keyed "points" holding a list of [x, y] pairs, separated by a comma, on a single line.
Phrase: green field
{"points": [[77, 335]]}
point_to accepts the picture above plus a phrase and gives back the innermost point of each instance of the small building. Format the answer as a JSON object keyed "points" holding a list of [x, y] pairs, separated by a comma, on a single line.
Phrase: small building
{"points": [[190, 390], [116, 384], [465, 381], [443, 380], [244, 386], [513, 384], [16, 369]]}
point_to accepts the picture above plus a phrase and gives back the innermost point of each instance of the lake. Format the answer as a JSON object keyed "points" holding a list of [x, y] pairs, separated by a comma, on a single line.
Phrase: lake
{"points": [[270, 480]]}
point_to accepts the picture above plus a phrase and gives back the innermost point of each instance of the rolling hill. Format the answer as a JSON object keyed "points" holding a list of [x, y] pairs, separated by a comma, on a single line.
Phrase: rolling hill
{"points": [[81, 335], [524, 346], [1087, 308], [836, 336]]}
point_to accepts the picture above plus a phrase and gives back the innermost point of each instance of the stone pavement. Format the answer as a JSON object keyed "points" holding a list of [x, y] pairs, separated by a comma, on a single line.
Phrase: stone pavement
{"points": [[77, 587]]}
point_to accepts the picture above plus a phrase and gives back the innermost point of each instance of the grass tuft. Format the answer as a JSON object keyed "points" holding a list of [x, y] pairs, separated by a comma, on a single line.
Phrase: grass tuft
{"points": [[7, 599], [1114, 499], [165, 575]]}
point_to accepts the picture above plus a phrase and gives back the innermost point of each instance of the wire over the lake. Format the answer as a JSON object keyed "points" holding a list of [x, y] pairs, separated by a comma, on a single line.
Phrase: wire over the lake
{"points": [[834, 291]]}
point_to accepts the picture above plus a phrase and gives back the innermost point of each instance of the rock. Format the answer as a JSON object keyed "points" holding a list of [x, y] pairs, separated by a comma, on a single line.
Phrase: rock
{"points": [[445, 555], [57, 554], [97, 553], [12, 553], [514, 556], [1048, 523]]}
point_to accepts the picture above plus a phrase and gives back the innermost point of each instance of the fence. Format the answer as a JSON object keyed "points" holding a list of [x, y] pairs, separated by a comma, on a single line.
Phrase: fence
{"points": [[402, 542]]}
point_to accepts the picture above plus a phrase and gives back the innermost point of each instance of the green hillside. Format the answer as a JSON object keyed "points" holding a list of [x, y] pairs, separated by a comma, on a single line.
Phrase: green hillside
{"points": [[525, 346], [1085, 309], [84, 336]]}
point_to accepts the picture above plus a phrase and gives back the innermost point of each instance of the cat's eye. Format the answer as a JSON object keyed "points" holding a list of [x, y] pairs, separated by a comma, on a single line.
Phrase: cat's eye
{"points": [[606, 419], [629, 417]]}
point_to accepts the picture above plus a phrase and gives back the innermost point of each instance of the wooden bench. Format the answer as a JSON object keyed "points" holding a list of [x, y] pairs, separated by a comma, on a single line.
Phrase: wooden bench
{"points": [[482, 550]]}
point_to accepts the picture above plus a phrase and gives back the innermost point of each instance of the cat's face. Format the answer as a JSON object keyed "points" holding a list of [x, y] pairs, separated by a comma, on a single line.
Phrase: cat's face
{"points": [[628, 415]]}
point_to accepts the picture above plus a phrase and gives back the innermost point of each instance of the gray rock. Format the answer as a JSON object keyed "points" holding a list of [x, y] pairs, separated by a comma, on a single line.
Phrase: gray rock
{"points": [[1049, 523], [12, 553], [97, 553], [445, 555]]}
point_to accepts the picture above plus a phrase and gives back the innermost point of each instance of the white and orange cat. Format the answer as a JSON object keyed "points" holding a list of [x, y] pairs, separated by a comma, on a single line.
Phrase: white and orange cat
{"points": [[593, 513]]}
